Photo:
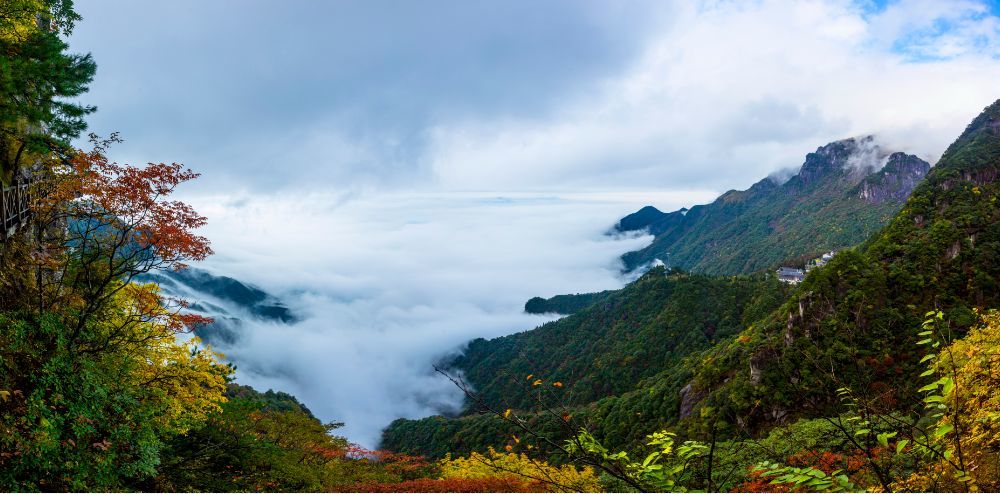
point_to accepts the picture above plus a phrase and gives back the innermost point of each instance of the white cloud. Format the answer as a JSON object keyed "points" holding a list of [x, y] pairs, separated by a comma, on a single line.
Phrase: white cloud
{"points": [[390, 283], [730, 91]]}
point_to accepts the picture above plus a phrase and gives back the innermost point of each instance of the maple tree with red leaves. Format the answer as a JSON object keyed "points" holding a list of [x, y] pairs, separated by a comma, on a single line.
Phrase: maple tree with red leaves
{"points": [[100, 224]]}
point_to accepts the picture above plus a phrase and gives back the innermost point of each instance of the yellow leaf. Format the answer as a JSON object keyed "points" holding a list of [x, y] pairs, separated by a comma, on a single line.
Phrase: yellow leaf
{"points": [[537, 382]]}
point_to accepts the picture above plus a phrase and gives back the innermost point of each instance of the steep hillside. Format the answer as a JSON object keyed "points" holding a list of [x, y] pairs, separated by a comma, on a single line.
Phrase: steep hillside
{"points": [[844, 192], [610, 346], [621, 421], [855, 322], [628, 343]]}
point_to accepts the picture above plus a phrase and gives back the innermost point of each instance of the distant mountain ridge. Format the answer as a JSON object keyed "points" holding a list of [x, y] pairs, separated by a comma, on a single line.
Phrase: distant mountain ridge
{"points": [[843, 192], [564, 304], [226, 300]]}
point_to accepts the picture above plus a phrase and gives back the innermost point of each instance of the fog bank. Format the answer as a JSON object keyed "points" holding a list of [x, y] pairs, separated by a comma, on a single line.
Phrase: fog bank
{"points": [[388, 284]]}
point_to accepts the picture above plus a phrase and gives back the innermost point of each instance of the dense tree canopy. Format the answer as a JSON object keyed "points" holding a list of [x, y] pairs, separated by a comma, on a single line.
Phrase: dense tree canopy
{"points": [[38, 80]]}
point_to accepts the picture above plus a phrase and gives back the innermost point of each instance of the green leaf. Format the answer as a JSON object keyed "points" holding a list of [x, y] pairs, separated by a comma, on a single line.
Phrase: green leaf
{"points": [[901, 444], [884, 437], [930, 387], [947, 387], [943, 429]]}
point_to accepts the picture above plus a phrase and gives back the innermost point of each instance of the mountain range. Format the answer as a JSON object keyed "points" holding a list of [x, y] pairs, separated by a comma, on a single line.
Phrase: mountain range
{"points": [[843, 193]]}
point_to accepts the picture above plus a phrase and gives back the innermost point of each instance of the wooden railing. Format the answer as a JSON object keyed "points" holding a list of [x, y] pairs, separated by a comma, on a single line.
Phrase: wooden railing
{"points": [[15, 202]]}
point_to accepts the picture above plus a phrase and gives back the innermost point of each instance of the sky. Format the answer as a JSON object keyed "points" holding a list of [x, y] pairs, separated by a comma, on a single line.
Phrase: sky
{"points": [[523, 95], [405, 175]]}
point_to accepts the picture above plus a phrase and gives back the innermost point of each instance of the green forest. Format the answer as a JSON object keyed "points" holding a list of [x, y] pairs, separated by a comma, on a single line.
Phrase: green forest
{"points": [[876, 373]]}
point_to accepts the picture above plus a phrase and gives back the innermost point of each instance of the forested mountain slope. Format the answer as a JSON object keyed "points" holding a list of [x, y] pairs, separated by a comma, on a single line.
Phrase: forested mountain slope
{"points": [[854, 322], [632, 334], [641, 332], [840, 196]]}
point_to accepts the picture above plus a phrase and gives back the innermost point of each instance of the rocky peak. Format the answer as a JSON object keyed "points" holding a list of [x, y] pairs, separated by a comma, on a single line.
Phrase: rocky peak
{"points": [[855, 157], [895, 181]]}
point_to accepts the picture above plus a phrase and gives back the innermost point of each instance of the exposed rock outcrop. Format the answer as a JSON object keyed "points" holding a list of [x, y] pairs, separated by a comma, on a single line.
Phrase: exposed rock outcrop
{"points": [[896, 181], [689, 398]]}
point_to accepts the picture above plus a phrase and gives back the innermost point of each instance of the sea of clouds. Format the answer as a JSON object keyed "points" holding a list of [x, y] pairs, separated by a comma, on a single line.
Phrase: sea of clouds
{"points": [[389, 284]]}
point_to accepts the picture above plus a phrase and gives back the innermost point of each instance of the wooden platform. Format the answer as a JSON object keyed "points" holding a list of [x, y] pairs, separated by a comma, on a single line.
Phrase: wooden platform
{"points": [[15, 211]]}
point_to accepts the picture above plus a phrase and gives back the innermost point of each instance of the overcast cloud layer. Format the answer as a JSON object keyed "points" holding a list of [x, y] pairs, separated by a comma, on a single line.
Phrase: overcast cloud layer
{"points": [[529, 95]]}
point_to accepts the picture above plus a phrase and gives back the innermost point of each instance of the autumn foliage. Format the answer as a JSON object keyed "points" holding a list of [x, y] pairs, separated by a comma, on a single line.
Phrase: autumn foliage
{"points": [[521, 467], [486, 484], [93, 376], [132, 200], [971, 432], [99, 224]]}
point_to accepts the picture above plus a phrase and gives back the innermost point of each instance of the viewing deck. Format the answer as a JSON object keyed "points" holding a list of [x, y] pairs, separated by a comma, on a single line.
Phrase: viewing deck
{"points": [[15, 201]]}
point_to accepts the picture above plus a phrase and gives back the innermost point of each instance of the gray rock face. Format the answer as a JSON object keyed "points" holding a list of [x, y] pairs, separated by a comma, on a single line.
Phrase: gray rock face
{"points": [[757, 363], [689, 398], [895, 181]]}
